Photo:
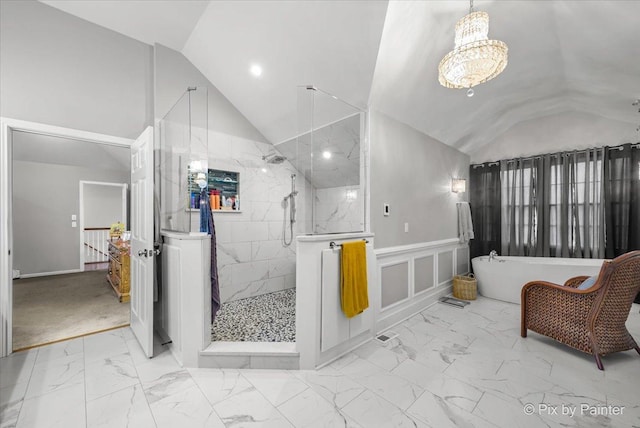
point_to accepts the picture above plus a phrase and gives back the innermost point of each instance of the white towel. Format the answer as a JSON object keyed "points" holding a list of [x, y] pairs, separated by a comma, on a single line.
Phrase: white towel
{"points": [[465, 225]]}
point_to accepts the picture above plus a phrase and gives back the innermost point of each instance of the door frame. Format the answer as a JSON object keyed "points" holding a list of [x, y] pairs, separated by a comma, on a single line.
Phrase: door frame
{"points": [[81, 215], [7, 127]]}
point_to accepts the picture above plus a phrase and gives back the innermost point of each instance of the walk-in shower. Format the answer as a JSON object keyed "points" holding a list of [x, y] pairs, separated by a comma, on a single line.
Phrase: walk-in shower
{"points": [[288, 189]]}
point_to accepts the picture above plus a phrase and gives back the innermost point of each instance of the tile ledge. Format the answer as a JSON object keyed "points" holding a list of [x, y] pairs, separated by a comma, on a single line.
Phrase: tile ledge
{"points": [[251, 348]]}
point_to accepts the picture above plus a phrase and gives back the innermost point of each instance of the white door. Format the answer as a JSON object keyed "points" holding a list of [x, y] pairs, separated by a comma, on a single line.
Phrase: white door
{"points": [[142, 255]]}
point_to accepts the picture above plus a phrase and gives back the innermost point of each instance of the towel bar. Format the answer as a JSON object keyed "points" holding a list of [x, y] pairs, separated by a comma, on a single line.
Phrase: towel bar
{"points": [[334, 245]]}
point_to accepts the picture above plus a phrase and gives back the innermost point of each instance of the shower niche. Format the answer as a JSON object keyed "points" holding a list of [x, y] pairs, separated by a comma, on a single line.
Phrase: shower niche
{"points": [[223, 188]]}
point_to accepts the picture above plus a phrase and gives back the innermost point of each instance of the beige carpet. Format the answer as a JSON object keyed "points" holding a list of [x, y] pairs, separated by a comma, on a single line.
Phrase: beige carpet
{"points": [[51, 308]]}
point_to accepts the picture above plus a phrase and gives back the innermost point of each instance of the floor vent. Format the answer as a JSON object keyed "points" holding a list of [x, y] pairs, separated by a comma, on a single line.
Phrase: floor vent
{"points": [[453, 302], [386, 336]]}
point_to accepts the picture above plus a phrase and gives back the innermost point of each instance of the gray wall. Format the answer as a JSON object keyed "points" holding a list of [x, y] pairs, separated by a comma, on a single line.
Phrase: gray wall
{"points": [[102, 205], [44, 198], [174, 73], [60, 70], [412, 172], [556, 133]]}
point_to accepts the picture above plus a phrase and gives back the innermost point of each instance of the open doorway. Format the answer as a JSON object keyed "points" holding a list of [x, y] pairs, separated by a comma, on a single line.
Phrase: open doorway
{"points": [[101, 205], [60, 186]]}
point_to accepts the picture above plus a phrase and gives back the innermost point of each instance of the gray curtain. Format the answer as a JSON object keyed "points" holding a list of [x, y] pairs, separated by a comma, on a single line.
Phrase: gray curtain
{"points": [[484, 198], [622, 193], [519, 178], [575, 204], [552, 205]]}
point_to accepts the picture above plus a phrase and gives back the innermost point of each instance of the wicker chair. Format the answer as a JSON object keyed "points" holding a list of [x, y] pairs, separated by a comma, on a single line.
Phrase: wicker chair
{"points": [[592, 320]]}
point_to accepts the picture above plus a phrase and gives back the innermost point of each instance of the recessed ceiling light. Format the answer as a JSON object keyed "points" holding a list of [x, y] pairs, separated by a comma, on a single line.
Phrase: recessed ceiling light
{"points": [[256, 70], [326, 154]]}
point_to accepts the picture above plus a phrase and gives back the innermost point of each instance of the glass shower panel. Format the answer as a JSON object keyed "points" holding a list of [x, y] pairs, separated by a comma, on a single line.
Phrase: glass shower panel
{"points": [[329, 154], [183, 159]]}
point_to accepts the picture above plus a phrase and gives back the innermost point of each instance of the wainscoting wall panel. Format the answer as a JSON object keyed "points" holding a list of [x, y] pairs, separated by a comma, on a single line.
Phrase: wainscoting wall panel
{"points": [[462, 260], [423, 273], [445, 266], [396, 278], [411, 277]]}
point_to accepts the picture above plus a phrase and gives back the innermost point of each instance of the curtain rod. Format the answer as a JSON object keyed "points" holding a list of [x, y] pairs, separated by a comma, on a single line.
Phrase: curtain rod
{"points": [[619, 147]]}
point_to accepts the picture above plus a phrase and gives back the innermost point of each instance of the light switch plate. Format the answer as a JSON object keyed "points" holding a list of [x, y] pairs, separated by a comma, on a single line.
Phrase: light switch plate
{"points": [[406, 227], [74, 224], [73, 217]]}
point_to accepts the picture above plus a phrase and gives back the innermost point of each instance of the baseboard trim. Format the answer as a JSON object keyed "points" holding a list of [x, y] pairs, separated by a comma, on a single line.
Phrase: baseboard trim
{"points": [[58, 272], [411, 308]]}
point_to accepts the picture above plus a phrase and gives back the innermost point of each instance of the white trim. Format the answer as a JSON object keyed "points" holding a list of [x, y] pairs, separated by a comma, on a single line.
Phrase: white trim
{"points": [[6, 239], [57, 272], [7, 126], [416, 306], [58, 131], [366, 159]]}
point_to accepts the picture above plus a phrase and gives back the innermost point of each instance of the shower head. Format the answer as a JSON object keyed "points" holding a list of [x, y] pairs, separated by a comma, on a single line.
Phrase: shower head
{"points": [[274, 158]]}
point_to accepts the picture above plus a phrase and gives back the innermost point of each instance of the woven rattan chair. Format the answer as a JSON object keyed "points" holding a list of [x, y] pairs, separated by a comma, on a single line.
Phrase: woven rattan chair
{"points": [[592, 320]]}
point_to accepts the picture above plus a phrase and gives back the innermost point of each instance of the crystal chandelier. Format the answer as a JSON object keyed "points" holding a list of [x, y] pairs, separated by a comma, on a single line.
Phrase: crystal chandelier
{"points": [[475, 59]]}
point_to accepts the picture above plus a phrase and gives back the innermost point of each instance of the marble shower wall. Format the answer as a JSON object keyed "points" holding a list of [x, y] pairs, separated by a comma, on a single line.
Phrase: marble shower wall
{"points": [[251, 258], [339, 209]]}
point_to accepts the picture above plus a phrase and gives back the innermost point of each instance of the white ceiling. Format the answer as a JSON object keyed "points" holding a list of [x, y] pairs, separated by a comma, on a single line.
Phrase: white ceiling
{"points": [[151, 21], [563, 56]]}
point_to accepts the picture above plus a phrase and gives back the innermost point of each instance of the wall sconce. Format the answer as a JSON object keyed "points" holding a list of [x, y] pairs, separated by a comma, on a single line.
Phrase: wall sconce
{"points": [[351, 195], [458, 185]]}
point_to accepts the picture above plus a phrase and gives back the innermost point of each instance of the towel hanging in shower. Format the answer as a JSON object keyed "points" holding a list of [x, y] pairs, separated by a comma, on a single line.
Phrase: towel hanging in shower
{"points": [[206, 225], [354, 296]]}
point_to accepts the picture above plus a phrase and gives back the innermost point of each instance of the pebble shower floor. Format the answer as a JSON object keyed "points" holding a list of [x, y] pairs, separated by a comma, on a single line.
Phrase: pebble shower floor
{"points": [[267, 318]]}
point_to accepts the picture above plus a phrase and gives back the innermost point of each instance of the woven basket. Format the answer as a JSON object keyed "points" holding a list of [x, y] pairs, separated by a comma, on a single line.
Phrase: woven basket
{"points": [[465, 287]]}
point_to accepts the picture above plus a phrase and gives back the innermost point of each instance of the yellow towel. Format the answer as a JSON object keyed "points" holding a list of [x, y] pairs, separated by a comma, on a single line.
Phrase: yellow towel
{"points": [[353, 278]]}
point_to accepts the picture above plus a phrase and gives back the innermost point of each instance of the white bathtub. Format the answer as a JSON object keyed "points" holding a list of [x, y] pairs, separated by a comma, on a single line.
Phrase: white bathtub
{"points": [[503, 277]]}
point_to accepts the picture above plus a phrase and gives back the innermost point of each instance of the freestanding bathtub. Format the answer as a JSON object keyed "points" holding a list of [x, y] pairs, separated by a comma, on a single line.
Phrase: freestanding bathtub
{"points": [[503, 277]]}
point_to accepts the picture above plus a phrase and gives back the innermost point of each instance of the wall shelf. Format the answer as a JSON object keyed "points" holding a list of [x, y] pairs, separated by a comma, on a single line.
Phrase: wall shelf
{"points": [[215, 211], [226, 183]]}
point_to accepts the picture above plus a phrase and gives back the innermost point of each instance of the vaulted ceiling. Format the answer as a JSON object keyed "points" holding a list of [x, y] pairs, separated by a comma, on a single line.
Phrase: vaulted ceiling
{"points": [[564, 56]]}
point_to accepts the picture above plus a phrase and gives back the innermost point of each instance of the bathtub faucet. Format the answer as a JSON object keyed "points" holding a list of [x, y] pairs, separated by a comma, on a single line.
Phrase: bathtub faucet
{"points": [[492, 255]]}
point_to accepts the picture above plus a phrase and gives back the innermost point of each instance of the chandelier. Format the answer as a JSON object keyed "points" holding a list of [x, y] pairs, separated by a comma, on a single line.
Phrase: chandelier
{"points": [[475, 59]]}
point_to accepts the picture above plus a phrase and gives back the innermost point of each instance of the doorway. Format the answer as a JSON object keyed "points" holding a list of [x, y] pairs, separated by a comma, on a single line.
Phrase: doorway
{"points": [[101, 205], [44, 222]]}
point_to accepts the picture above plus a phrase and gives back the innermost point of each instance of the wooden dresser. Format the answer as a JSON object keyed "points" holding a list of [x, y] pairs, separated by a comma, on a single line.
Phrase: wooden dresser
{"points": [[118, 274]]}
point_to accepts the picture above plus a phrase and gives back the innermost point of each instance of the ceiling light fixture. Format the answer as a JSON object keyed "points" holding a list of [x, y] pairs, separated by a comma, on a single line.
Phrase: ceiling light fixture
{"points": [[326, 154], [475, 59], [256, 70]]}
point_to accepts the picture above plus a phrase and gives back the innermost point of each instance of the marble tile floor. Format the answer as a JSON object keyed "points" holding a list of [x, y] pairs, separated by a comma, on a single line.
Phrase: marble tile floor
{"points": [[448, 367], [269, 317]]}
